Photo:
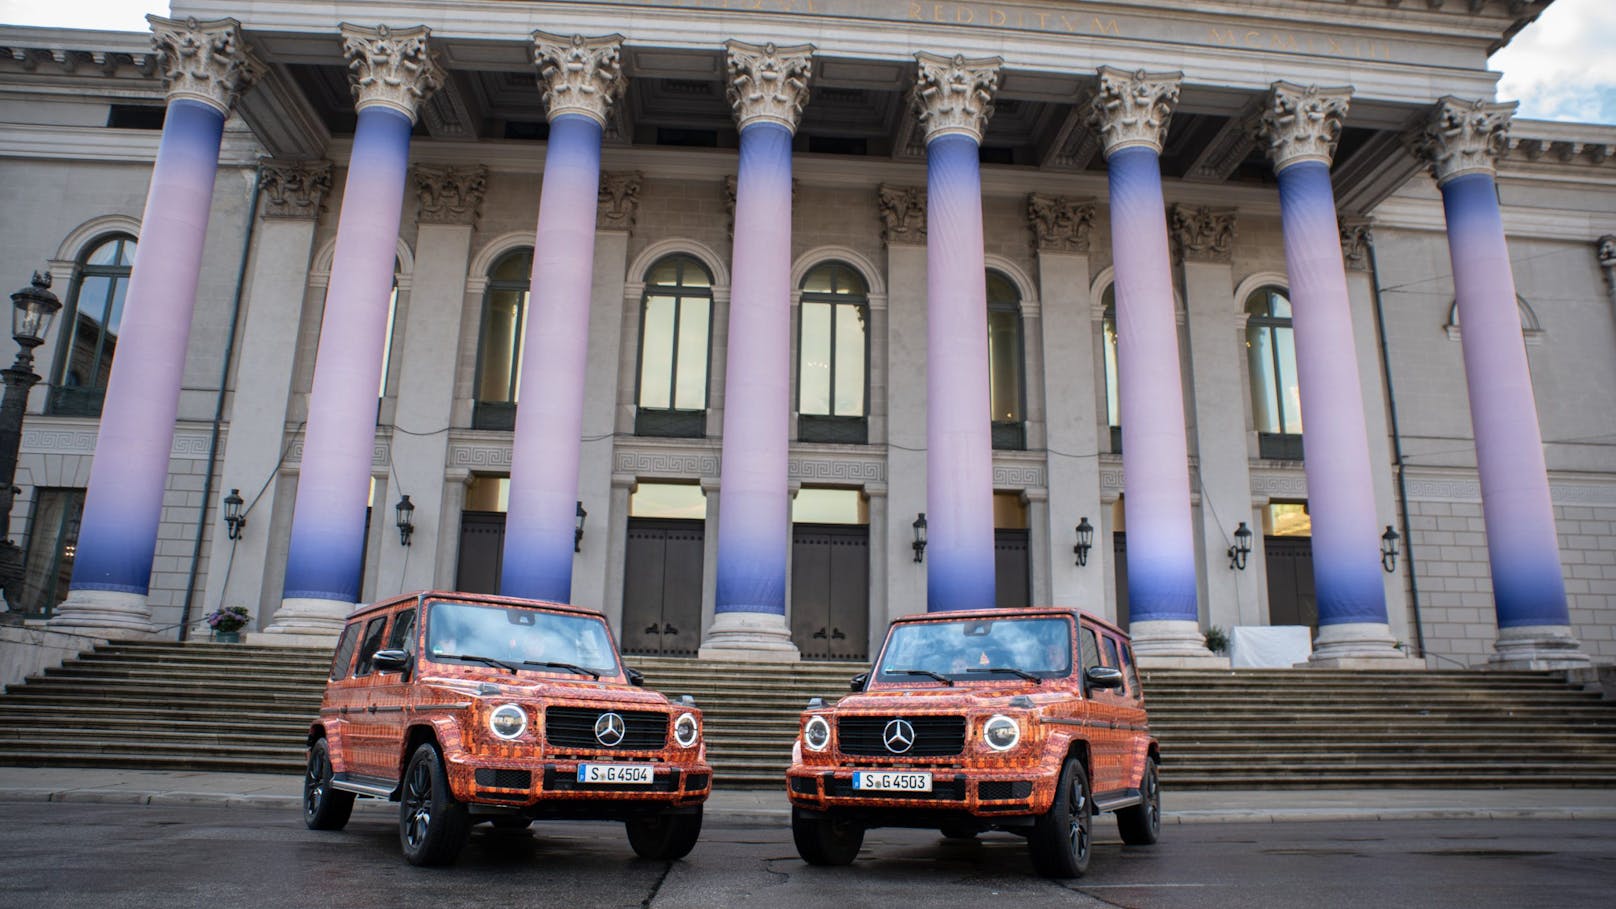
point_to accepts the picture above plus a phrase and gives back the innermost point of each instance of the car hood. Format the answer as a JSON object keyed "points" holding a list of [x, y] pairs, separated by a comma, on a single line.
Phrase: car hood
{"points": [[503, 685], [960, 697]]}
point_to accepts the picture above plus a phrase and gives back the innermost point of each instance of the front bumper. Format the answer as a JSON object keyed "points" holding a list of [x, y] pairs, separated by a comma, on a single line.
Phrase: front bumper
{"points": [[551, 787], [992, 796]]}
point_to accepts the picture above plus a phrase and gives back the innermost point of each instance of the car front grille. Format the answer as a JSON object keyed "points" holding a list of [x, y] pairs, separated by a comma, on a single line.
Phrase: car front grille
{"points": [[574, 727], [935, 736]]}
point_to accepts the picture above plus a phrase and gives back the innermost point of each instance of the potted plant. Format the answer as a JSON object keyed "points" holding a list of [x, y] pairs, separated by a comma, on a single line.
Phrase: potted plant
{"points": [[227, 622]]}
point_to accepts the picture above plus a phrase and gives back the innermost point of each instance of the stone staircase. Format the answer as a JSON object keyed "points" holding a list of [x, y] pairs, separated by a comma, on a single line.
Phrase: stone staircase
{"points": [[226, 707]]}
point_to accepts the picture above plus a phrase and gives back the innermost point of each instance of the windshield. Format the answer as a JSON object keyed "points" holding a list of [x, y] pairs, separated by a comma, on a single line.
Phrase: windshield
{"points": [[978, 649], [517, 638]]}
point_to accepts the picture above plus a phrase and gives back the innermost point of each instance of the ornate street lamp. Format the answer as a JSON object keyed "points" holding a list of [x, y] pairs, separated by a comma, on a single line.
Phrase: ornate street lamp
{"points": [[920, 537], [1241, 547], [578, 529], [405, 509], [234, 518], [34, 308], [1388, 549], [1085, 540]]}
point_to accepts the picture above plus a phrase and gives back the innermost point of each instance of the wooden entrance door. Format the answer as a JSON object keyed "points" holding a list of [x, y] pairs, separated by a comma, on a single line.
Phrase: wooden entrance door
{"points": [[1119, 555], [662, 587], [1291, 600], [1012, 584], [482, 551], [830, 591]]}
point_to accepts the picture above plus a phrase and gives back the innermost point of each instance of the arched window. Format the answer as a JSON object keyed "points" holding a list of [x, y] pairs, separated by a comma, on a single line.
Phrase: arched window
{"points": [[675, 327], [499, 345], [1006, 388], [1113, 403], [93, 313], [1276, 395], [833, 356], [392, 325]]}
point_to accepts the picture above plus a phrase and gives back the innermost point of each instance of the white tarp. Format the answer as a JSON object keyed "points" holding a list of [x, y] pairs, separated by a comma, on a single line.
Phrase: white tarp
{"points": [[1269, 647]]}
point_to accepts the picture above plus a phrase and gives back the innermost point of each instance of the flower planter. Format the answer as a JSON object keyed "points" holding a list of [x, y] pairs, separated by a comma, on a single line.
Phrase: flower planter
{"points": [[227, 637]]}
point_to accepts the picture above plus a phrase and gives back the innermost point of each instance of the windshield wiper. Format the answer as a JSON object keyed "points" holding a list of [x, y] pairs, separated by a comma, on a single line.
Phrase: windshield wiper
{"points": [[476, 659], [570, 667], [1011, 669], [925, 672]]}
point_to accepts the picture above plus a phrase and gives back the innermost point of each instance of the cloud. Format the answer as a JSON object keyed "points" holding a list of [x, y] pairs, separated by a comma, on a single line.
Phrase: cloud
{"points": [[115, 15], [1562, 66]]}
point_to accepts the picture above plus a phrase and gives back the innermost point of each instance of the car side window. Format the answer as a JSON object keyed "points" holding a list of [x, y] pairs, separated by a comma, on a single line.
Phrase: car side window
{"points": [[345, 649], [373, 643], [1131, 671], [1113, 660], [1091, 649], [402, 637]]}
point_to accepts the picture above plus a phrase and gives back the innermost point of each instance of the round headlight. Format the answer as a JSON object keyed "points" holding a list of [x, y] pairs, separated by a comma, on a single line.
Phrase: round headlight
{"points": [[816, 735], [686, 730], [508, 721], [1001, 733]]}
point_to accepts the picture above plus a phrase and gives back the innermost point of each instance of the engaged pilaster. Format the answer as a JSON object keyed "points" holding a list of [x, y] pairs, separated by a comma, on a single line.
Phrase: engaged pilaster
{"points": [[1060, 225], [449, 195]]}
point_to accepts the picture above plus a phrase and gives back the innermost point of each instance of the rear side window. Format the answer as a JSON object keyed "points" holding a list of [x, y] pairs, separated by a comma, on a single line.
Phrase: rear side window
{"points": [[345, 649], [402, 636], [1111, 657], [1133, 674], [373, 643]]}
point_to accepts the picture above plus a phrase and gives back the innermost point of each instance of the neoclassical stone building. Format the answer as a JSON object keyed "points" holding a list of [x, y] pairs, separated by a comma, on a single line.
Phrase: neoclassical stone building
{"points": [[757, 324]]}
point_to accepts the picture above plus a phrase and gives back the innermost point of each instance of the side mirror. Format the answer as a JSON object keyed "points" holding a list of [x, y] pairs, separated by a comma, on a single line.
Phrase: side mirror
{"points": [[635, 677], [859, 681], [391, 661], [1103, 677]]}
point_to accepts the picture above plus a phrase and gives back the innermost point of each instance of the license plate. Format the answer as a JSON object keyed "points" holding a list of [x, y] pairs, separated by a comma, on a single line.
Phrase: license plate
{"points": [[615, 773], [887, 781]]}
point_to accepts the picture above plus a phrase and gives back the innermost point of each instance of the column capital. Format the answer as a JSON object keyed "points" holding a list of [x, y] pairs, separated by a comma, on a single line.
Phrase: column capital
{"points": [[903, 215], [1203, 234], [391, 68], [618, 204], [449, 195], [1607, 251], [204, 61], [294, 190], [768, 84], [1357, 235], [1464, 137], [579, 75], [953, 95], [1303, 123], [1134, 108], [1060, 225]]}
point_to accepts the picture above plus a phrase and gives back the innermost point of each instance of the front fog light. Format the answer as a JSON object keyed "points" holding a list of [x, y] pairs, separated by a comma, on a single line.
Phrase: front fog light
{"points": [[1001, 733], [816, 735], [508, 721], [685, 730]]}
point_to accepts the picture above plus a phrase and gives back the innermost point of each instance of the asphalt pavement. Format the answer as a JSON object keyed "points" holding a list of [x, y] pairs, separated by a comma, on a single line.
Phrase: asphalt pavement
{"points": [[276, 791]]}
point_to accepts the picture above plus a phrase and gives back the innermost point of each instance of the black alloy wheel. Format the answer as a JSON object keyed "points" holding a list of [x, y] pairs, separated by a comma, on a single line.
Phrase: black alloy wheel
{"points": [[1140, 825], [1061, 838], [324, 808], [432, 826]]}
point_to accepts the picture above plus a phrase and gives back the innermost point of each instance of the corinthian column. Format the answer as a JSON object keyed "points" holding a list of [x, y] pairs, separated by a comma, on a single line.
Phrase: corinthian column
{"points": [[1302, 126], [581, 78], [1131, 113], [1607, 264], [953, 99], [1462, 140], [768, 86], [205, 66], [391, 72]]}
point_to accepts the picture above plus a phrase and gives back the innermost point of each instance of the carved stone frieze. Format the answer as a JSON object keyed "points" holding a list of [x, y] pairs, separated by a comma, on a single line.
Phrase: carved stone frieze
{"points": [[768, 84], [579, 75], [1303, 123], [953, 95], [903, 215], [294, 190], [449, 195], [1356, 236], [1134, 108], [618, 205], [1464, 137], [1203, 234], [1058, 224], [392, 68], [204, 61]]}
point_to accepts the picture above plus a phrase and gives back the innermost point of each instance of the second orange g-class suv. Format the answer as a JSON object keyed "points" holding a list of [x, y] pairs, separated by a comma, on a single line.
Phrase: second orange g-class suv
{"points": [[466, 708], [1024, 720]]}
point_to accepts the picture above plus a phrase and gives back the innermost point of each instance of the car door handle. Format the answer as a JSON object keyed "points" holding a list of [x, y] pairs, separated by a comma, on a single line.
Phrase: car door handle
{"points": [[652, 629], [836, 634], [820, 634], [669, 629]]}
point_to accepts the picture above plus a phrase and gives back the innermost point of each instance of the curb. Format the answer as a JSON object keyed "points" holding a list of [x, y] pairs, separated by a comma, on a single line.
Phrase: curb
{"points": [[781, 815]]}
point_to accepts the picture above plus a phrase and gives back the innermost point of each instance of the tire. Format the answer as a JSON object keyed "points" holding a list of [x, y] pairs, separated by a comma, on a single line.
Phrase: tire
{"points": [[1062, 837], [664, 837], [324, 808], [432, 826], [826, 840], [1140, 825]]}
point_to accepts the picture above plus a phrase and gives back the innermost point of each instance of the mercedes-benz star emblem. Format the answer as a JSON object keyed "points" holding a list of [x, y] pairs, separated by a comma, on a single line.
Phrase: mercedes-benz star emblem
{"points": [[899, 736], [609, 730]]}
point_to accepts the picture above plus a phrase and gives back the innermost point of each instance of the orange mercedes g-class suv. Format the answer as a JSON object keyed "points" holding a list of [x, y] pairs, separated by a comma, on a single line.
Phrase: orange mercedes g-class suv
{"points": [[1024, 720], [467, 708]]}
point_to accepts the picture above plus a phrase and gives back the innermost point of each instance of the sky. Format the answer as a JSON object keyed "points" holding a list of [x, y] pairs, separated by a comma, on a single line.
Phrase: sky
{"points": [[1561, 67]]}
